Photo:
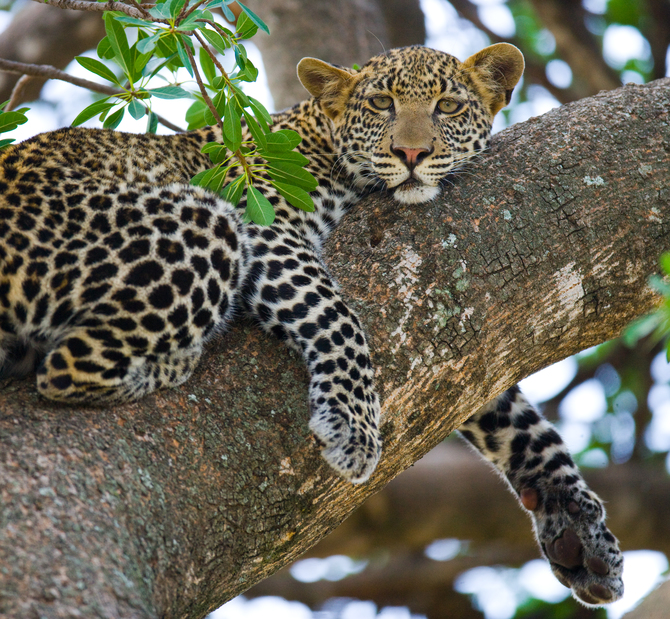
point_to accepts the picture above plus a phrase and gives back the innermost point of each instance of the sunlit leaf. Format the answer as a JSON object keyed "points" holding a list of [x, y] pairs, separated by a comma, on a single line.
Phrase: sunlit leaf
{"points": [[93, 110], [97, 67], [258, 209], [152, 123], [113, 120], [169, 92], [296, 196], [136, 109], [254, 18], [292, 174]]}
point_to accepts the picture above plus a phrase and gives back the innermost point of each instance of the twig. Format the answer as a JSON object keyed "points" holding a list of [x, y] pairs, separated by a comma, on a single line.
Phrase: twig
{"points": [[212, 55], [17, 91], [203, 90], [49, 72], [210, 104], [85, 5]]}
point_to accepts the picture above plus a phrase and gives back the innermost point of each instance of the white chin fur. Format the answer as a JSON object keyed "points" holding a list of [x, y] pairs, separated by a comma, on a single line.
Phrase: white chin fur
{"points": [[415, 194]]}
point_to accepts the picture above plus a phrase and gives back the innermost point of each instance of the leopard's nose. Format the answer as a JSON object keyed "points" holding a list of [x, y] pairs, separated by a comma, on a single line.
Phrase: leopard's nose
{"points": [[411, 157]]}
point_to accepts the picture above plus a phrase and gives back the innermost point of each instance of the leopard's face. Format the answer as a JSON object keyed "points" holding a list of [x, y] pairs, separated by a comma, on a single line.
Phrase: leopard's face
{"points": [[411, 117]]}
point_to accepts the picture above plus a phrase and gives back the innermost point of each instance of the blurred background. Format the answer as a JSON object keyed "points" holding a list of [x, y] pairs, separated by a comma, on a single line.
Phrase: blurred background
{"points": [[446, 539]]}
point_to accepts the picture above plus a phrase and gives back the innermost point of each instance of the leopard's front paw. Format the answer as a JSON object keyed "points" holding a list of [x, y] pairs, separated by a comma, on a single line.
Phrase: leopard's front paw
{"points": [[584, 555], [345, 421]]}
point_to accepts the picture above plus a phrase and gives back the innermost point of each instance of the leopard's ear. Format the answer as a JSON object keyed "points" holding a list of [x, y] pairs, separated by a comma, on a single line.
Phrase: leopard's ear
{"points": [[496, 69], [329, 84]]}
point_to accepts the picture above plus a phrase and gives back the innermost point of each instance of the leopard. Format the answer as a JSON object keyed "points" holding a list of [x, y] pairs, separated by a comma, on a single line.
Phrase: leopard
{"points": [[116, 272]]}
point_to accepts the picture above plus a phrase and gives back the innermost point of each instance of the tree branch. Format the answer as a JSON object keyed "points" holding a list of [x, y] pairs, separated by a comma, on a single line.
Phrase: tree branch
{"points": [[169, 506], [84, 5], [50, 72]]}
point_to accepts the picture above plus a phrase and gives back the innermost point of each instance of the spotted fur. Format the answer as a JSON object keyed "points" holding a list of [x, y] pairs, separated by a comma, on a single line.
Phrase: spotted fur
{"points": [[114, 272]]}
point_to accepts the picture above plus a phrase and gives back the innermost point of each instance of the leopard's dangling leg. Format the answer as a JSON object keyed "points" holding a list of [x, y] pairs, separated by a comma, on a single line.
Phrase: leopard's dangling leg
{"points": [[568, 518], [291, 294]]}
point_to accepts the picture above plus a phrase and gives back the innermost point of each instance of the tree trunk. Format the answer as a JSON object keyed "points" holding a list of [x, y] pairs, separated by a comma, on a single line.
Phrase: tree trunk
{"points": [[451, 494], [170, 506]]}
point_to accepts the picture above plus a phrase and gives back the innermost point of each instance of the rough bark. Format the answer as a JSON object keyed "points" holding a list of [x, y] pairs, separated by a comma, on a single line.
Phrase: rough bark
{"points": [[170, 506], [448, 494]]}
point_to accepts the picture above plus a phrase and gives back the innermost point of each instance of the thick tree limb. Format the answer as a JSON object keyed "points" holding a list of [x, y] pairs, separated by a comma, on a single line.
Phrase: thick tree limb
{"points": [[448, 494], [170, 506]]}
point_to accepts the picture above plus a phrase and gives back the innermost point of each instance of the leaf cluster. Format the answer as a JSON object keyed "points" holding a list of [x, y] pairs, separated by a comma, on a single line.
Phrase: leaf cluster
{"points": [[177, 34], [656, 324], [10, 121]]}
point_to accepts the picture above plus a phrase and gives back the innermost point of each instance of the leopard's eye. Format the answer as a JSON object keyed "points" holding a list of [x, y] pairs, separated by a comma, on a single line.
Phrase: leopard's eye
{"points": [[382, 102], [449, 106]]}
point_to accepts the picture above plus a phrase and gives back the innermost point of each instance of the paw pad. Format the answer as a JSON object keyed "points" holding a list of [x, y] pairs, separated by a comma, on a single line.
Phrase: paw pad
{"points": [[566, 550]]}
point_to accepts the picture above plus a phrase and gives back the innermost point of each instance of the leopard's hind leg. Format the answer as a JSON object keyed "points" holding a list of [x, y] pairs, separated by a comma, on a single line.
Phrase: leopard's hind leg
{"points": [[568, 518], [99, 366]]}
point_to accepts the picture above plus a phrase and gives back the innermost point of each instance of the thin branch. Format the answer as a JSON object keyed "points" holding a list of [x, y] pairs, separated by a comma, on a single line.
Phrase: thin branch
{"points": [[84, 5], [45, 70], [212, 55], [17, 92]]}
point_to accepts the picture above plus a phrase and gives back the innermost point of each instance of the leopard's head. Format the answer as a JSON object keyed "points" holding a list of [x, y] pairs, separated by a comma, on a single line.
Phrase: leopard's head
{"points": [[410, 117]]}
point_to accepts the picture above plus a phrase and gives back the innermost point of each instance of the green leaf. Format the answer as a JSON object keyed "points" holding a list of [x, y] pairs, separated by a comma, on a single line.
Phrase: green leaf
{"points": [[245, 27], [664, 261], [659, 285], [105, 50], [256, 132], [207, 65], [6, 142], [283, 140], [183, 56], [152, 122], [296, 196], [140, 59], [292, 175], [160, 11], [242, 99], [112, 121], [262, 115], [195, 115], [240, 56], [217, 152], [97, 67], [175, 7], [258, 209], [231, 125], [232, 192], [249, 73], [294, 138], [133, 21], [288, 156], [216, 40], [149, 44], [254, 18], [228, 14], [640, 328], [169, 92], [117, 39], [136, 109], [11, 120], [93, 110], [191, 23]]}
